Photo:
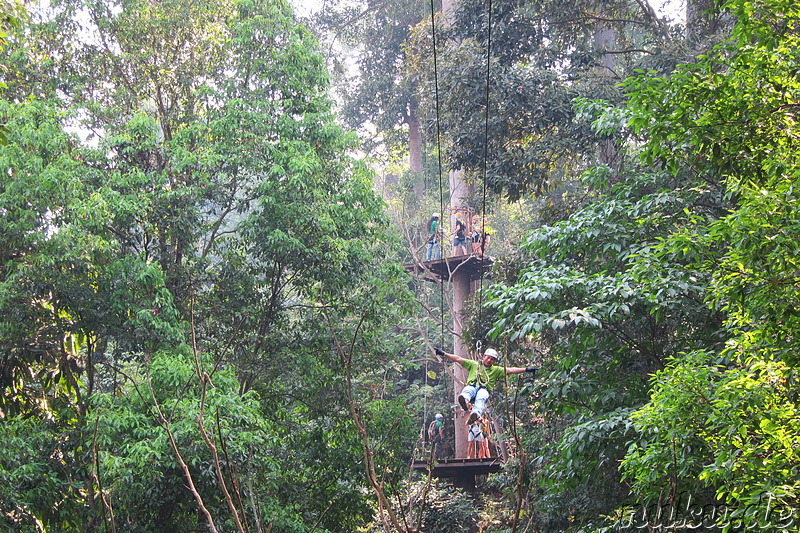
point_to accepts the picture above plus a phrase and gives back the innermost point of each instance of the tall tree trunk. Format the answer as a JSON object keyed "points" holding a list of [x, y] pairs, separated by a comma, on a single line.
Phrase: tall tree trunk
{"points": [[604, 41], [447, 9], [700, 23], [461, 293], [415, 149]]}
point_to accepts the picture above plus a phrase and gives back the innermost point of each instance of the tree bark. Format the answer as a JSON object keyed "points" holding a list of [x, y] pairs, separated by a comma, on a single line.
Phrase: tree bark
{"points": [[700, 23], [604, 42], [415, 150]]}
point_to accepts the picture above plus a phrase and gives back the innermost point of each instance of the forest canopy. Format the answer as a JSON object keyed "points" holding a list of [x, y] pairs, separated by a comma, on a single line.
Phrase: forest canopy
{"points": [[209, 212]]}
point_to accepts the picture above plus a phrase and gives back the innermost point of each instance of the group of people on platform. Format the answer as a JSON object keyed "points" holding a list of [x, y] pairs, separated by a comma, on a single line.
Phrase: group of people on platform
{"points": [[478, 437], [475, 240]]}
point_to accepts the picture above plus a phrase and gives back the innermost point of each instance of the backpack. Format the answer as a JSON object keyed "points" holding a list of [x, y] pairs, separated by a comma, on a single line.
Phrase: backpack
{"points": [[432, 431]]}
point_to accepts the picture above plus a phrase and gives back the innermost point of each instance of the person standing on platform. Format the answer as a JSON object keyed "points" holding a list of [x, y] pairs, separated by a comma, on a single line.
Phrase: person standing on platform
{"points": [[482, 379], [432, 248], [485, 424], [475, 441], [460, 238], [479, 237], [475, 236]]}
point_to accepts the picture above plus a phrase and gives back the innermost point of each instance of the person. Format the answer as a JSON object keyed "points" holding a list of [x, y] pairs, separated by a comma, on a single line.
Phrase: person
{"points": [[432, 249], [475, 441], [480, 239], [487, 439], [436, 433], [483, 242], [460, 239], [482, 379]]}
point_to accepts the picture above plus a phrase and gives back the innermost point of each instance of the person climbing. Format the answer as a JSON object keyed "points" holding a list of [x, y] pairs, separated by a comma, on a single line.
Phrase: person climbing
{"points": [[460, 238], [436, 433], [482, 379], [432, 249]]}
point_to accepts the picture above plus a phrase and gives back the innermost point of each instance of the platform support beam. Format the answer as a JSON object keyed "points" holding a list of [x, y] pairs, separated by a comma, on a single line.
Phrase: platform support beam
{"points": [[465, 482]]}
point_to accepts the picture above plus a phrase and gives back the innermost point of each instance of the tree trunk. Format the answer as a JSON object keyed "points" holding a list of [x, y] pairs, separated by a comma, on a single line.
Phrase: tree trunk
{"points": [[447, 9], [604, 41], [699, 22], [415, 150]]}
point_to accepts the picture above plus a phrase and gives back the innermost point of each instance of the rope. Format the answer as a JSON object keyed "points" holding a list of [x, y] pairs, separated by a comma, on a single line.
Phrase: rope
{"points": [[485, 156], [432, 457], [439, 154], [425, 404], [513, 417]]}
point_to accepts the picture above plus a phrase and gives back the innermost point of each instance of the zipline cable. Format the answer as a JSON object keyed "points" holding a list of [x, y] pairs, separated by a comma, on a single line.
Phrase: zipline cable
{"points": [[438, 228], [482, 236], [439, 155]]}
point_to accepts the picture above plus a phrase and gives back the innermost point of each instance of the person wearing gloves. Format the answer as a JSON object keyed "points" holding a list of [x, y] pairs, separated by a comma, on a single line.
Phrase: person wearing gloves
{"points": [[482, 379]]}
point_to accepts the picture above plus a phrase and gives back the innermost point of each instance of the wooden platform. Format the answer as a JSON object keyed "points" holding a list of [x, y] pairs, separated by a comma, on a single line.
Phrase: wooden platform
{"points": [[473, 266], [463, 471]]}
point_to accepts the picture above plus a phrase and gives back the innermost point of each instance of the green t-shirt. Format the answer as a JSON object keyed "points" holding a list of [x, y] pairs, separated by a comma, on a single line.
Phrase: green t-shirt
{"points": [[481, 375]]}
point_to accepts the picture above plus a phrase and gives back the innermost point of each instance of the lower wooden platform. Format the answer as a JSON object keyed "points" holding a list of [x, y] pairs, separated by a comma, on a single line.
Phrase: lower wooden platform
{"points": [[463, 471]]}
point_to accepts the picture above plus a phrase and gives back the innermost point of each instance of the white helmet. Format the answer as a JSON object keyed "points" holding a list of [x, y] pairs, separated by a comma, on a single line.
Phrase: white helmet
{"points": [[491, 352], [438, 415], [436, 215]]}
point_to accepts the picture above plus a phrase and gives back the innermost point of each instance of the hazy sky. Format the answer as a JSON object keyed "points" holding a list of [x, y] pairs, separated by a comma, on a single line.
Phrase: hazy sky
{"points": [[672, 8]]}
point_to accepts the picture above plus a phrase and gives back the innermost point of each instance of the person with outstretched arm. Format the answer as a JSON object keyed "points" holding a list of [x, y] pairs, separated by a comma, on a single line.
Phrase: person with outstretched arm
{"points": [[482, 379]]}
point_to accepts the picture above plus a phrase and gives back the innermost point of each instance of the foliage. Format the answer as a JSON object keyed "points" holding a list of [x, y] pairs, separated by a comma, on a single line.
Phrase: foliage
{"points": [[724, 429], [60, 261], [204, 296], [448, 510], [41, 472], [379, 92], [133, 427], [607, 313], [659, 273], [608, 305], [712, 117], [220, 209], [536, 59]]}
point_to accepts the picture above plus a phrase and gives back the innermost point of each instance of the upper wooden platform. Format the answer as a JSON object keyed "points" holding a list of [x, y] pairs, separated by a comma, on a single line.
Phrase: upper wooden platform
{"points": [[473, 266]]}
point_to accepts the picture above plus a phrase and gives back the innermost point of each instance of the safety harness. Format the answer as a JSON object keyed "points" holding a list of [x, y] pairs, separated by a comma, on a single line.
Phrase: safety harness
{"points": [[481, 376]]}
